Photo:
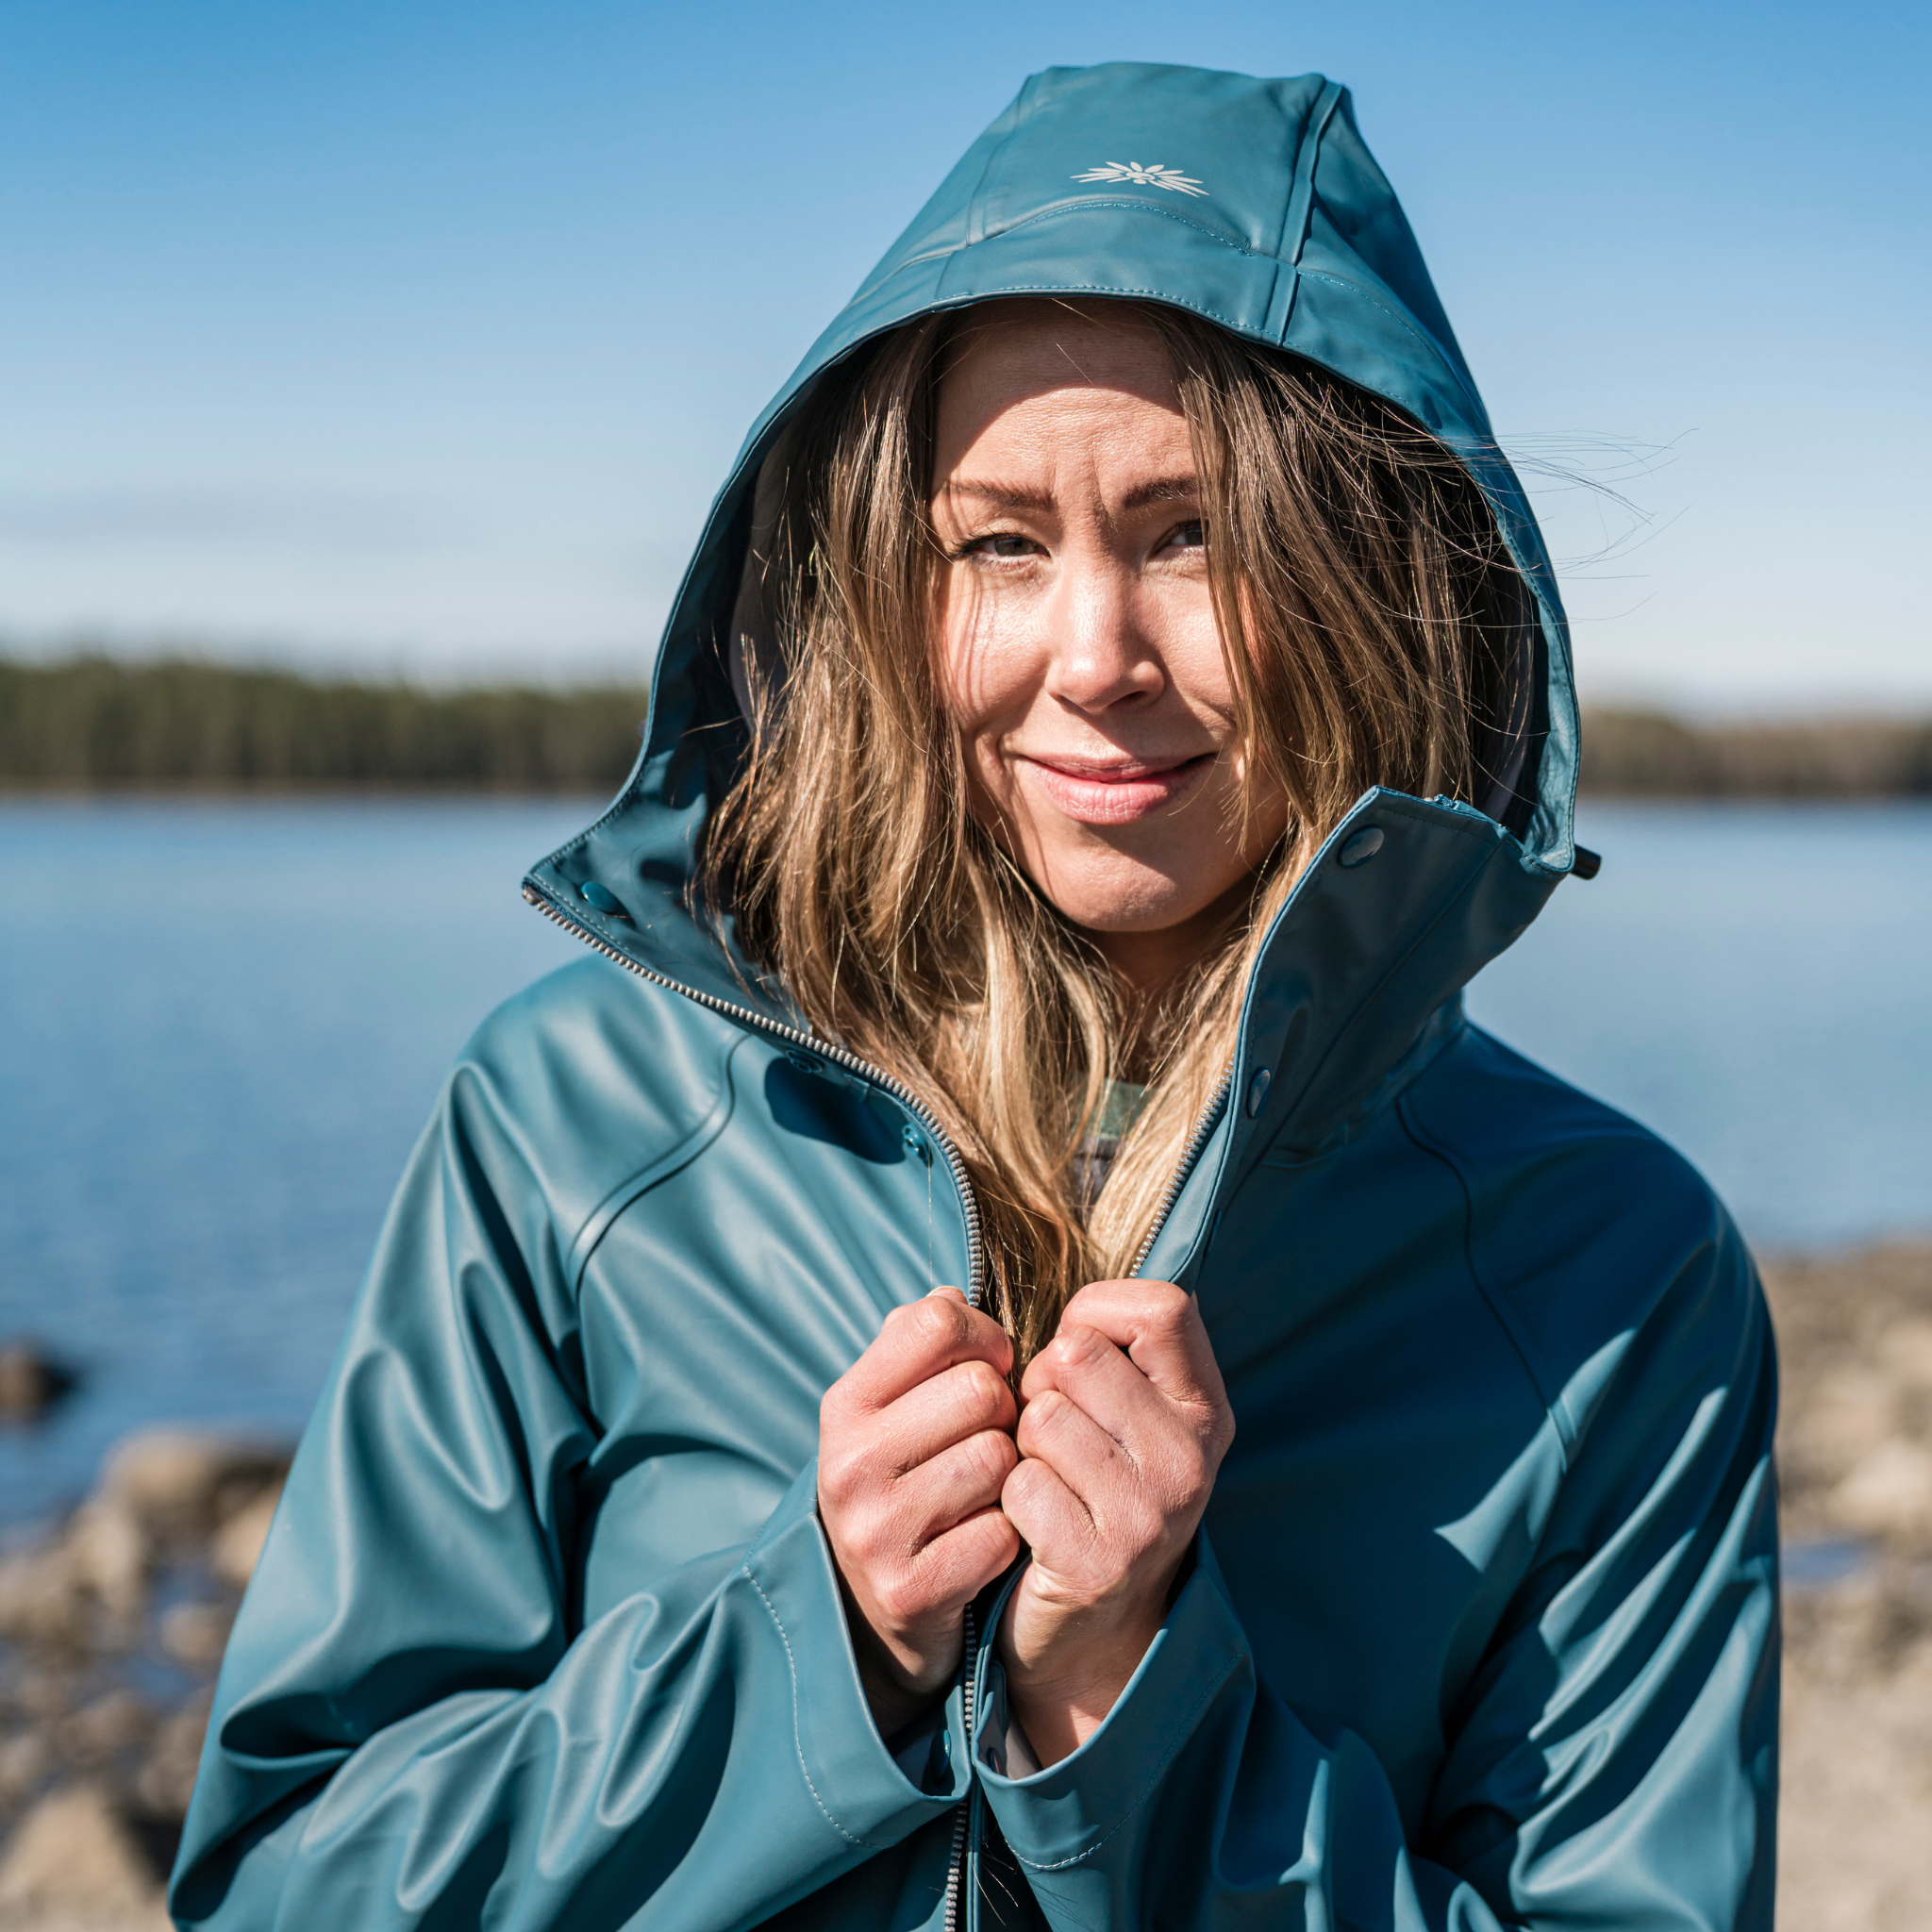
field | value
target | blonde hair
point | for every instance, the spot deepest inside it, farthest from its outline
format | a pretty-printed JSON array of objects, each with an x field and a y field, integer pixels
[{"x": 1370, "y": 622}]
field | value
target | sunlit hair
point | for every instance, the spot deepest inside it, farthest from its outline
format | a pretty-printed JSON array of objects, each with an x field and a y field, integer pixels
[{"x": 1371, "y": 621}]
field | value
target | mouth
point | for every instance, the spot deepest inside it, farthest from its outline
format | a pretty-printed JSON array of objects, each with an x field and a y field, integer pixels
[{"x": 1116, "y": 792}]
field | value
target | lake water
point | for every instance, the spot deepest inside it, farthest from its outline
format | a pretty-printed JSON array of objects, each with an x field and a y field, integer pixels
[{"x": 221, "y": 1025}]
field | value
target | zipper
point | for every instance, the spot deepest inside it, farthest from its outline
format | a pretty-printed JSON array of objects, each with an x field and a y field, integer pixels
[
  {"x": 1209, "y": 1118},
  {"x": 975, "y": 1266},
  {"x": 975, "y": 1275},
  {"x": 963, "y": 1812},
  {"x": 793, "y": 1036}
]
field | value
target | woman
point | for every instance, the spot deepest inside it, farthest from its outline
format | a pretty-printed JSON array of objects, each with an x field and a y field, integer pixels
[{"x": 1005, "y": 1356}]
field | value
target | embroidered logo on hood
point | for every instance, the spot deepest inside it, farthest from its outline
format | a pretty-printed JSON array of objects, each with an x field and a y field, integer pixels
[{"x": 1155, "y": 175}]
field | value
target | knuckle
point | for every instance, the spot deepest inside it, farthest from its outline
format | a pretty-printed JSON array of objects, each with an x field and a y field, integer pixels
[
  {"x": 1074, "y": 1347},
  {"x": 838, "y": 1473},
  {"x": 993, "y": 1455},
  {"x": 937, "y": 1321},
  {"x": 985, "y": 1388}
]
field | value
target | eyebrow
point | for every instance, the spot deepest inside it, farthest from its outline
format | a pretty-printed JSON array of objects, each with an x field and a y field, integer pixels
[{"x": 1015, "y": 496}]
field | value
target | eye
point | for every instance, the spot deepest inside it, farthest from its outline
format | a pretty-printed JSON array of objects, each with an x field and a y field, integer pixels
[
  {"x": 1188, "y": 536},
  {"x": 1002, "y": 546}
]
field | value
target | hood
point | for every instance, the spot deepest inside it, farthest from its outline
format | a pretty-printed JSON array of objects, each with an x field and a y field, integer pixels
[{"x": 1256, "y": 205}]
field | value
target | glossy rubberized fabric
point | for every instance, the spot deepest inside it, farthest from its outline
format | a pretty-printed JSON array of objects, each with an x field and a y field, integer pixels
[{"x": 1482, "y": 1630}]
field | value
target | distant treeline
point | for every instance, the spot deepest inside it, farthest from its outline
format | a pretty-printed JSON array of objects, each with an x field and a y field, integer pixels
[
  {"x": 98, "y": 723},
  {"x": 101, "y": 723},
  {"x": 1651, "y": 754}
]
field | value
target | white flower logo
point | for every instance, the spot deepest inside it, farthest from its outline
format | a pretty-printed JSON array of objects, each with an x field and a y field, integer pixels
[{"x": 1155, "y": 175}]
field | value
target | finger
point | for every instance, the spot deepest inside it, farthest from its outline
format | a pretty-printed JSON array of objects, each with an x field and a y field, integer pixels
[
  {"x": 1083, "y": 1365},
  {"x": 943, "y": 1410},
  {"x": 955, "y": 1567},
  {"x": 1057, "y": 1431},
  {"x": 1052, "y": 1519},
  {"x": 914, "y": 1343},
  {"x": 1159, "y": 1328},
  {"x": 966, "y": 1478}
]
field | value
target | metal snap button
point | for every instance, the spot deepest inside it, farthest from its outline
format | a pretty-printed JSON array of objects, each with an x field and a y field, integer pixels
[
  {"x": 602, "y": 898},
  {"x": 1257, "y": 1091},
  {"x": 1361, "y": 848}
]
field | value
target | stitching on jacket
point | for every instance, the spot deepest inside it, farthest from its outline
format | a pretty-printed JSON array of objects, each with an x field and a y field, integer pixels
[
  {"x": 1409, "y": 329},
  {"x": 1088, "y": 288},
  {"x": 1083, "y": 204},
  {"x": 797, "y": 1741},
  {"x": 1153, "y": 1777}
]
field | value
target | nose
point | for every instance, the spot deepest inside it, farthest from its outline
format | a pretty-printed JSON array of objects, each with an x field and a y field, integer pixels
[{"x": 1101, "y": 656}]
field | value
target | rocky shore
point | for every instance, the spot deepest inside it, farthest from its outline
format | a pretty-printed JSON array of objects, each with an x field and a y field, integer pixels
[
  {"x": 112, "y": 1629},
  {"x": 110, "y": 1635},
  {"x": 1855, "y": 1457}
]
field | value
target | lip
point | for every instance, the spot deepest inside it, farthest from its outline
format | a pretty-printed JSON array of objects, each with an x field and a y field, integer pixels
[{"x": 1093, "y": 793}]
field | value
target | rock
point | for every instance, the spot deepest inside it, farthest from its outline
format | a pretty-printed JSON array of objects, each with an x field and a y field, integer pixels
[
  {"x": 185, "y": 1483},
  {"x": 103, "y": 1730},
  {"x": 40, "y": 1600},
  {"x": 237, "y": 1543},
  {"x": 45, "y": 1593},
  {"x": 30, "y": 1382},
  {"x": 108, "y": 1554},
  {"x": 196, "y": 1634},
  {"x": 42, "y": 1694},
  {"x": 25, "y": 1761},
  {"x": 1906, "y": 1348},
  {"x": 1889, "y": 1491},
  {"x": 1849, "y": 1413},
  {"x": 74, "y": 1855},
  {"x": 166, "y": 1782}
]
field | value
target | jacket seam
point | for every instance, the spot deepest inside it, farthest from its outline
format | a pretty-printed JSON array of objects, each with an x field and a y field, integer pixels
[
  {"x": 1084, "y": 203},
  {"x": 1494, "y": 1297},
  {"x": 1421, "y": 339},
  {"x": 975, "y": 217},
  {"x": 1153, "y": 1777},
  {"x": 797, "y": 1737},
  {"x": 654, "y": 1174},
  {"x": 1166, "y": 295}
]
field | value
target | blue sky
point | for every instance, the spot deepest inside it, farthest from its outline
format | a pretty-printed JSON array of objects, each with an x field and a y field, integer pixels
[{"x": 418, "y": 337}]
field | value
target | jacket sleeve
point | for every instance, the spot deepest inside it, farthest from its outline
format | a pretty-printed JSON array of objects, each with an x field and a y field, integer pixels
[
  {"x": 1613, "y": 1763},
  {"x": 408, "y": 1730}
]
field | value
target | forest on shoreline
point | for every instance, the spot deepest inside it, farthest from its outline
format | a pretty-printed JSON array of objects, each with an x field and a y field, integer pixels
[{"x": 99, "y": 724}]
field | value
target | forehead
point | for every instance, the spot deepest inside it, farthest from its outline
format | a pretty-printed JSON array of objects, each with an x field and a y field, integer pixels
[{"x": 1022, "y": 375}]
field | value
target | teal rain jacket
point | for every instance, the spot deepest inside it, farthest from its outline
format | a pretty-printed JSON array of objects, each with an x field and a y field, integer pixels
[{"x": 1482, "y": 1630}]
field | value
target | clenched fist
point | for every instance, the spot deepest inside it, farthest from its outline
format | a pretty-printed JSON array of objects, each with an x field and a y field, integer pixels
[
  {"x": 1124, "y": 1428},
  {"x": 915, "y": 1445}
]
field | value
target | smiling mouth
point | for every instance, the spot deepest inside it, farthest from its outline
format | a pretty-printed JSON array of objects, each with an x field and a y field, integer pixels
[{"x": 1117, "y": 795}]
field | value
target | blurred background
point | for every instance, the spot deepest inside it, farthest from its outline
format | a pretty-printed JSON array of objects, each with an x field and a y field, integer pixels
[{"x": 367, "y": 372}]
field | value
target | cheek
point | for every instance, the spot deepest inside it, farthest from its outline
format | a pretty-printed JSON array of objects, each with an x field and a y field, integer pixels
[
  {"x": 989, "y": 679},
  {"x": 1192, "y": 649}
]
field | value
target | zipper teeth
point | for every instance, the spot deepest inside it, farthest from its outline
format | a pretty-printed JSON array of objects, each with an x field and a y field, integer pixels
[
  {"x": 1211, "y": 1115},
  {"x": 956, "y": 1860},
  {"x": 975, "y": 1246}
]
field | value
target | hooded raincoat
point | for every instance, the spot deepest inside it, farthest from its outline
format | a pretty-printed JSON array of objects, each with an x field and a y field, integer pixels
[{"x": 1481, "y": 1630}]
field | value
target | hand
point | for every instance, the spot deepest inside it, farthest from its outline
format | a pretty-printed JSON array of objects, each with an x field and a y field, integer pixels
[
  {"x": 914, "y": 1446},
  {"x": 1124, "y": 1428}
]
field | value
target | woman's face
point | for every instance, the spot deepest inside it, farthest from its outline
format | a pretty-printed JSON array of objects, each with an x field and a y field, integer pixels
[{"x": 1078, "y": 642}]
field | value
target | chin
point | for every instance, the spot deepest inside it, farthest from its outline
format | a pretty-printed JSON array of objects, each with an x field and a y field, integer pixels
[{"x": 1138, "y": 903}]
